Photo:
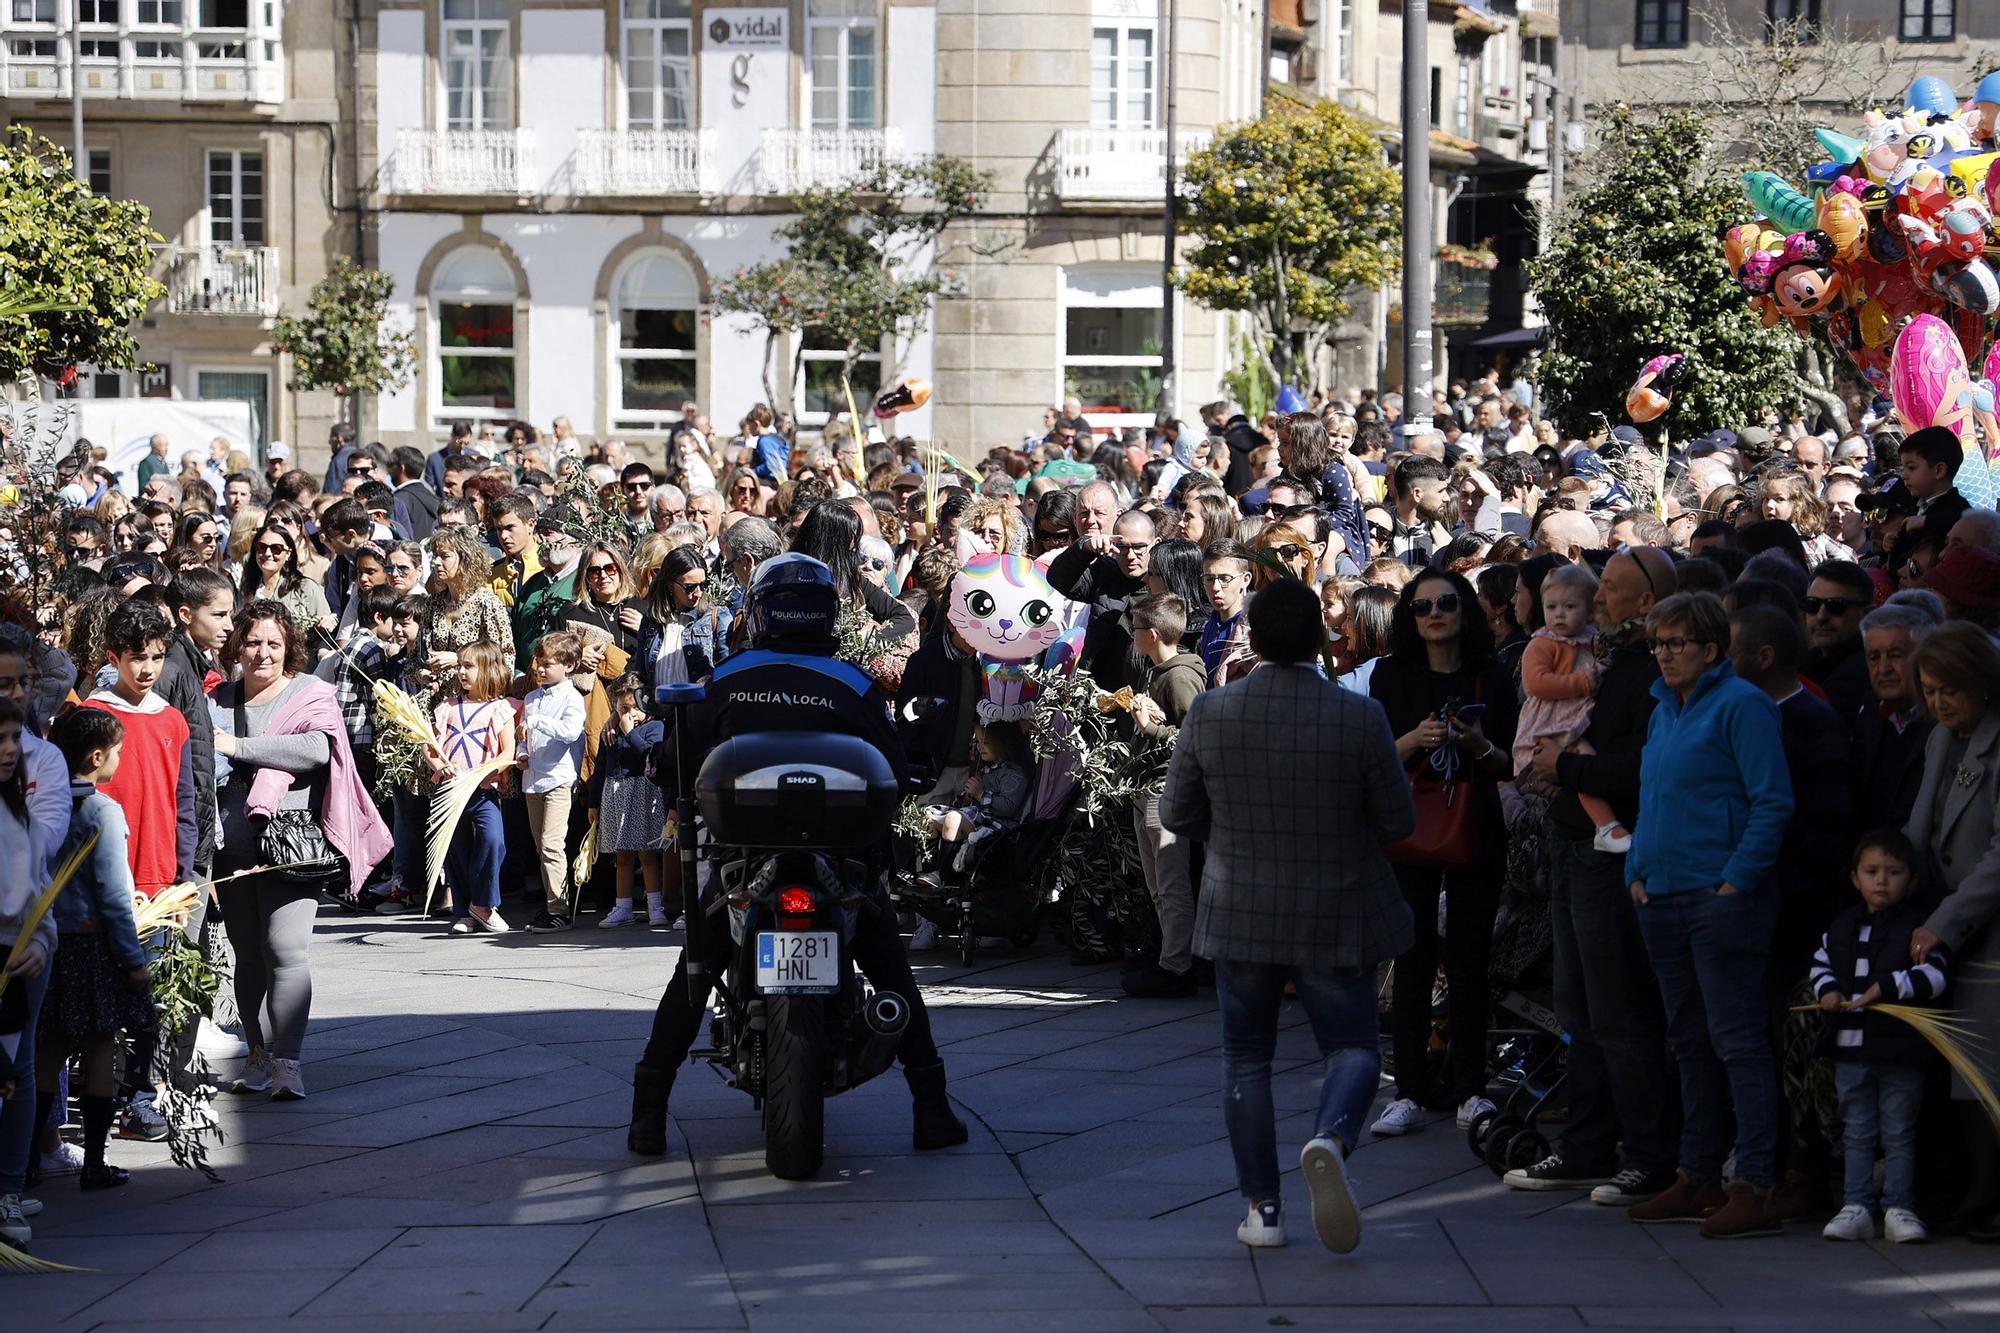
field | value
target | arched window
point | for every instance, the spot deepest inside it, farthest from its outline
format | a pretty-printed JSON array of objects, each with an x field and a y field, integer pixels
[
  {"x": 657, "y": 330},
  {"x": 473, "y": 301}
]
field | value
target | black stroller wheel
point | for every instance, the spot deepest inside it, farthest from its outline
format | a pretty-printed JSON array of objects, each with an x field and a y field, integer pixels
[
  {"x": 1525, "y": 1149},
  {"x": 1475, "y": 1133},
  {"x": 1499, "y": 1135}
]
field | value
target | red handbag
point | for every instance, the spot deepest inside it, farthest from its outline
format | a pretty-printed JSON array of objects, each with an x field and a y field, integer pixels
[{"x": 1447, "y": 832}]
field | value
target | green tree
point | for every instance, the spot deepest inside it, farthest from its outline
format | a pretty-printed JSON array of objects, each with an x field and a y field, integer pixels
[
  {"x": 1635, "y": 268},
  {"x": 75, "y": 267},
  {"x": 1288, "y": 214},
  {"x": 341, "y": 343},
  {"x": 860, "y": 263}
]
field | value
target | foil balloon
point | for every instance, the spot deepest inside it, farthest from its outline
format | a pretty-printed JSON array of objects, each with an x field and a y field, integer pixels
[
  {"x": 1653, "y": 392},
  {"x": 1928, "y": 377},
  {"x": 1004, "y": 608},
  {"x": 1845, "y": 223},
  {"x": 1932, "y": 94},
  {"x": 1289, "y": 400},
  {"x": 905, "y": 395},
  {"x": 1778, "y": 200},
  {"x": 1807, "y": 281}
]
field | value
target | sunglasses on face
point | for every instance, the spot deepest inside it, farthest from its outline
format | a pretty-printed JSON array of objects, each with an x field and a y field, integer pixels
[
  {"x": 876, "y": 565},
  {"x": 273, "y": 548},
  {"x": 1291, "y": 551},
  {"x": 745, "y": 489},
  {"x": 1130, "y": 548},
  {"x": 638, "y": 485},
  {"x": 364, "y": 470},
  {"x": 595, "y": 570},
  {"x": 1446, "y": 604},
  {"x": 1833, "y": 606},
  {"x": 696, "y": 586},
  {"x": 402, "y": 569}
]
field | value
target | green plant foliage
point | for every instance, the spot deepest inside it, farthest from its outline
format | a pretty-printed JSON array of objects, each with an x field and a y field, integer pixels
[
  {"x": 340, "y": 343},
  {"x": 76, "y": 267},
  {"x": 857, "y": 266},
  {"x": 1289, "y": 214},
  {"x": 1636, "y": 268}
]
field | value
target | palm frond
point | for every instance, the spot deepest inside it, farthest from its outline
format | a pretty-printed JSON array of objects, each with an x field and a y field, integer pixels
[
  {"x": 586, "y": 859},
  {"x": 447, "y": 808},
  {"x": 171, "y": 908},
  {"x": 1946, "y": 1031},
  {"x": 20, "y": 1261},
  {"x": 39, "y": 908}
]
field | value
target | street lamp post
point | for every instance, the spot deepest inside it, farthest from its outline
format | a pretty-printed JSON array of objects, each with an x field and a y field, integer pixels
[
  {"x": 1416, "y": 219},
  {"x": 1170, "y": 230},
  {"x": 79, "y": 159}
]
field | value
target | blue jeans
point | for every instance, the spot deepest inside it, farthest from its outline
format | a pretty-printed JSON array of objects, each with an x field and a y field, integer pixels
[
  {"x": 17, "y": 1113},
  {"x": 1340, "y": 1004},
  {"x": 1879, "y": 1105},
  {"x": 411, "y": 814},
  {"x": 1710, "y": 952},
  {"x": 478, "y": 846}
]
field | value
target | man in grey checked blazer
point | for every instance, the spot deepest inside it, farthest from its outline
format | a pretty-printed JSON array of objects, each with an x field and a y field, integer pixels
[{"x": 1295, "y": 786}]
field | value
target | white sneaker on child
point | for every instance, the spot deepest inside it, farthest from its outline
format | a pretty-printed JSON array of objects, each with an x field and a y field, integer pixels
[
  {"x": 1612, "y": 839},
  {"x": 656, "y": 912},
  {"x": 924, "y": 938},
  {"x": 620, "y": 915},
  {"x": 1903, "y": 1227},
  {"x": 1853, "y": 1222},
  {"x": 66, "y": 1160}
]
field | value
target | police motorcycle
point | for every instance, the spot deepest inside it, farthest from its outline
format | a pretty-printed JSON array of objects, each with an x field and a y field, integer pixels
[{"x": 795, "y": 832}]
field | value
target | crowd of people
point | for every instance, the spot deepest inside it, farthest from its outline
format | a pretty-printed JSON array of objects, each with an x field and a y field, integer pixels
[{"x": 1725, "y": 715}]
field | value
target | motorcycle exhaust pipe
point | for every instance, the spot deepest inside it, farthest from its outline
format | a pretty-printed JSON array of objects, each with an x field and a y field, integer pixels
[
  {"x": 877, "y": 1036},
  {"x": 886, "y": 1014}
]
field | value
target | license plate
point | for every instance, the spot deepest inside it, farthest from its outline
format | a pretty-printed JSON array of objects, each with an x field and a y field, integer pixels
[{"x": 804, "y": 962}]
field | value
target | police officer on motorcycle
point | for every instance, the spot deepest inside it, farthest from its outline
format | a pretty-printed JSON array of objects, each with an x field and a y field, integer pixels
[{"x": 789, "y": 680}]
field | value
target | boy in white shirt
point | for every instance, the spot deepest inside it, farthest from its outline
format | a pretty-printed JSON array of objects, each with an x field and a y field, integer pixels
[{"x": 551, "y": 747}]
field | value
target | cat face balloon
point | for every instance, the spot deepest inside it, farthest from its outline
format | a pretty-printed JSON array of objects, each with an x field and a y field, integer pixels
[{"x": 1004, "y": 608}]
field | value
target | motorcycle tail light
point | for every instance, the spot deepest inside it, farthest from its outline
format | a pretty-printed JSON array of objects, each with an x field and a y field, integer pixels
[{"x": 795, "y": 902}]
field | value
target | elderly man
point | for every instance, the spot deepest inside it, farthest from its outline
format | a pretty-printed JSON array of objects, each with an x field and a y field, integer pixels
[
  {"x": 1096, "y": 512},
  {"x": 670, "y": 506},
  {"x": 1622, "y": 1138},
  {"x": 1567, "y": 534},
  {"x": 1809, "y": 454},
  {"x": 1886, "y": 754},
  {"x": 155, "y": 464},
  {"x": 1979, "y": 527}
]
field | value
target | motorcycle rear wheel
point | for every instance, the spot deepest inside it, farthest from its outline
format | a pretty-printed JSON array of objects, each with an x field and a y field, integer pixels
[{"x": 795, "y": 1054}]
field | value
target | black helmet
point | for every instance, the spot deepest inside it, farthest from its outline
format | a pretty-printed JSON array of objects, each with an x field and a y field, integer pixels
[{"x": 793, "y": 605}]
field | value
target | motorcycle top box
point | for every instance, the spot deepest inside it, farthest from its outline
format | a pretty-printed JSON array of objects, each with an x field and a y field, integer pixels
[{"x": 797, "y": 789}]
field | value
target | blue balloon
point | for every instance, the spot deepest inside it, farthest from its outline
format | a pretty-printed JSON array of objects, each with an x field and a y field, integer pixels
[
  {"x": 1933, "y": 94},
  {"x": 1290, "y": 400},
  {"x": 1989, "y": 88}
]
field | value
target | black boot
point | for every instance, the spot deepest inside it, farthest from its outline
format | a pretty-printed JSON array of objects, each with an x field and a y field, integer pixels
[
  {"x": 650, "y": 1090},
  {"x": 935, "y": 1124}
]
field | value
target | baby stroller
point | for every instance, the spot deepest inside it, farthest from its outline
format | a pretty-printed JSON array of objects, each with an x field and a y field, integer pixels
[
  {"x": 995, "y": 894},
  {"x": 1527, "y": 1041}
]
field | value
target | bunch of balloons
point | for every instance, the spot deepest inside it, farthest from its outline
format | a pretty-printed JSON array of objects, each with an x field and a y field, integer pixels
[{"x": 1885, "y": 250}]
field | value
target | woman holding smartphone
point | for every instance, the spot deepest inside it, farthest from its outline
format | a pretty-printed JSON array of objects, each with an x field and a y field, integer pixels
[{"x": 1451, "y": 707}]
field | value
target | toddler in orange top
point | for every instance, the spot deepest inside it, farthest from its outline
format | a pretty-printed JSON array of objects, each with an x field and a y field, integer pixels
[{"x": 1559, "y": 675}]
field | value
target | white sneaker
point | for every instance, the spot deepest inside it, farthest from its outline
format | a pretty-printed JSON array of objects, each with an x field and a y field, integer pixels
[
  {"x": 492, "y": 923},
  {"x": 1401, "y": 1116},
  {"x": 1264, "y": 1229},
  {"x": 1852, "y": 1223},
  {"x": 1609, "y": 839},
  {"x": 288, "y": 1082},
  {"x": 1903, "y": 1227},
  {"x": 256, "y": 1076},
  {"x": 1336, "y": 1221},
  {"x": 1473, "y": 1108},
  {"x": 216, "y": 1044},
  {"x": 924, "y": 938},
  {"x": 66, "y": 1160},
  {"x": 30, "y": 1207},
  {"x": 620, "y": 915},
  {"x": 13, "y": 1222}
]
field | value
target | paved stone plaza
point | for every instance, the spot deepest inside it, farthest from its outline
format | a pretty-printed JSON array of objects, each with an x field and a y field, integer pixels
[{"x": 460, "y": 1164}]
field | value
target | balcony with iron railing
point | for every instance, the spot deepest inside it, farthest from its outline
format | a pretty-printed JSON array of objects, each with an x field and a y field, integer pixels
[
  {"x": 646, "y": 162},
  {"x": 1118, "y": 166},
  {"x": 221, "y": 279},
  {"x": 462, "y": 162},
  {"x": 146, "y": 61},
  {"x": 794, "y": 160}
]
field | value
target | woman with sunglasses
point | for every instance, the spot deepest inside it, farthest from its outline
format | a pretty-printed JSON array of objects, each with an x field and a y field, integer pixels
[
  {"x": 289, "y": 516},
  {"x": 1293, "y": 551},
  {"x": 684, "y": 635},
  {"x": 198, "y": 540},
  {"x": 405, "y": 565},
  {"x": 1451, "y": 708},
  {"x": 605, "y": 597},
  {"x": 273, "y": 572},
  {"x": 742, "y": 493}
]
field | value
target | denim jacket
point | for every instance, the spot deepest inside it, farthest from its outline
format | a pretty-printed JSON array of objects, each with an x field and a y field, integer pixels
[{"x": 101, "y": 890}]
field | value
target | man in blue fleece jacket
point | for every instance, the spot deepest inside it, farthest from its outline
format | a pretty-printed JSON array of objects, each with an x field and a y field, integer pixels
[{"x": 1714, "y": 799}]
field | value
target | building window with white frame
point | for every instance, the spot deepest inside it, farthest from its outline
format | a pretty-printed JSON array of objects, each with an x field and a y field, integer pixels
[
  {"x": 1461, "y": 106},
  {"x": 659, "y": 65},
  {"x": 657, "y": 327},
  {"x": 841, "y": 60},
  {"x": 1111, "y": 339},
  {"x": 818, "y": 393},
  {"x": 472, "y": 304},
  {"x": 1122, "y": 90},
  {"x": 235, "y": 197},
  {"x": 478, "y": 65},
  {"x": 1343, "y": 42}
]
